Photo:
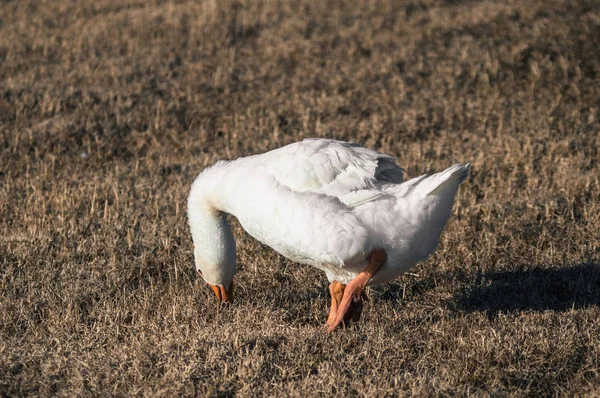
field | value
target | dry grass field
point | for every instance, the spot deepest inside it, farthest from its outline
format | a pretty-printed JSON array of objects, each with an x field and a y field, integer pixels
[{"x": 109, "y": 109}]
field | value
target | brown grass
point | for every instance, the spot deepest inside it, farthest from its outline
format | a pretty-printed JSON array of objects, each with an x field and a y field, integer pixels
[{"x": 109, "y": 109}]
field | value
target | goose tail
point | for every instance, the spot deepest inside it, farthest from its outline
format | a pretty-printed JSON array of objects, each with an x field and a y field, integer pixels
[{"x": 444, "y": 183}]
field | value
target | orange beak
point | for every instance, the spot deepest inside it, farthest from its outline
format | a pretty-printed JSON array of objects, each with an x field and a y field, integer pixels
[{"x": 223, "y": 295}]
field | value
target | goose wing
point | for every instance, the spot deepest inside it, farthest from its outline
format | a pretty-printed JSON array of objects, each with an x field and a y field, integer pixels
[{"x": 334, "y": 168}]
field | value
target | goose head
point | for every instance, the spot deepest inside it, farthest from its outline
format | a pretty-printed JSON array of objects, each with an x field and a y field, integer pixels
[
  {"x": 215, "y": 255},
  {"x": 214, "y": 244}
]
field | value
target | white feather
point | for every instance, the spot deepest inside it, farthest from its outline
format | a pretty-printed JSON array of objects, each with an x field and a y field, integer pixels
[{"x": 324, "y": 203}]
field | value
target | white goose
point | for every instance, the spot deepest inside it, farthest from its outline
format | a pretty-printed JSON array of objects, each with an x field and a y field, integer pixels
[{"x": 337, "y": 206}]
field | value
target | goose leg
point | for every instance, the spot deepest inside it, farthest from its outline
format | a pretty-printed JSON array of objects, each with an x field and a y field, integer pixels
[
  {"x": 336, "y": 289},
  {"x": 350, "y": 306}
]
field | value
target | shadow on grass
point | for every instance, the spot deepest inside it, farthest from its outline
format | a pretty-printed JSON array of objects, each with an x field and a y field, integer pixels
[
  {"x": 397, "y": 291},
  {"x": 558, "y": 289}
]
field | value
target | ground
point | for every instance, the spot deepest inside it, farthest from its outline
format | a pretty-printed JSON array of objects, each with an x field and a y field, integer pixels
[{"x": 109, "y": 109}]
